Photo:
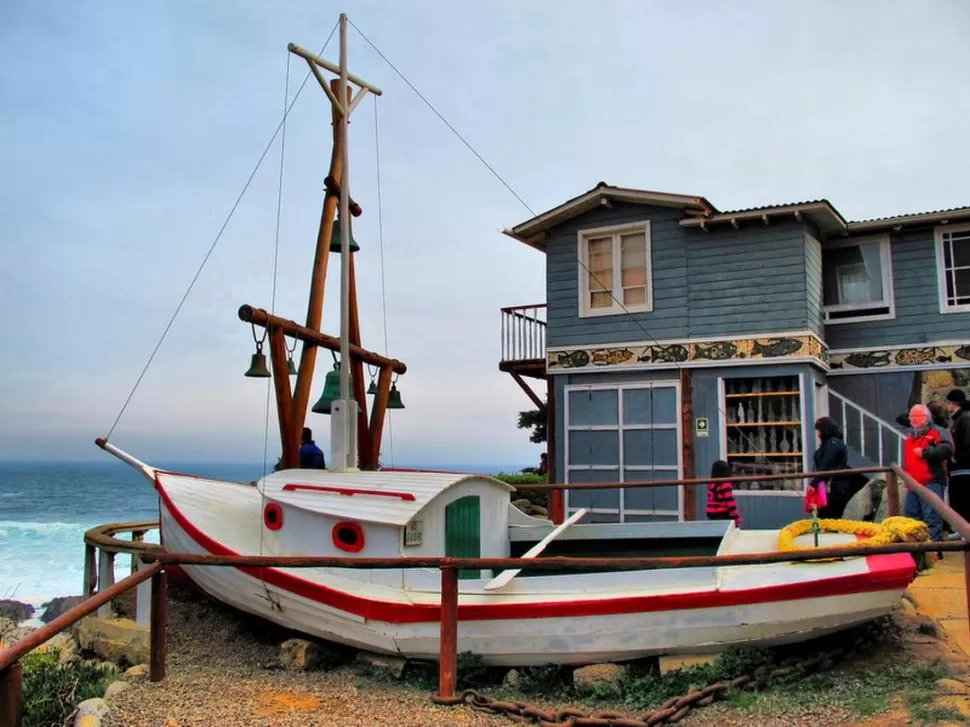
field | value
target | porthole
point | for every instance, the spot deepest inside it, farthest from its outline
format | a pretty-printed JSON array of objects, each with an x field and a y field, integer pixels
[
  {"x": 348, "y": 536},
  {"x": 273, "y": 516}
]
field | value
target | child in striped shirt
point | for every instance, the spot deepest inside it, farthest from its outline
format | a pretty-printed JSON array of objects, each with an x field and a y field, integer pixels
[{"x": 720, "y": 496}]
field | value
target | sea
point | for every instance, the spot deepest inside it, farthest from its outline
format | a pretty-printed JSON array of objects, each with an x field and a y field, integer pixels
[{"x": 46, "y": 507}]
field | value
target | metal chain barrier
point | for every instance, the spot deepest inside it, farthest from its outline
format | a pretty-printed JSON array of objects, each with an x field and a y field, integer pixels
[{"x": 676, "y": 708}]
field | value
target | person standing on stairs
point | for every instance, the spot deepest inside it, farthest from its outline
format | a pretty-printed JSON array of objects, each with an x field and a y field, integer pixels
[
  {"x": 925, "y": 454},
  {"x": 959, "y": 408}
]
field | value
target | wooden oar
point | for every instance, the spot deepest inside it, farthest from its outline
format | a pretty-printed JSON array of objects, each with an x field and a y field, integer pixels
[{"x": 507, "y": 575}]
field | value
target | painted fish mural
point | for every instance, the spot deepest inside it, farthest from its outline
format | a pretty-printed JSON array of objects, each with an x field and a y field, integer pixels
[
  {"x": 611, "y": 356},
  {"x": 772, "y": 347},
  {"x": 868, "y": 359},
  {"x": 715, "y": 351},
  {"x": 916, "y": 356},
  {"x": 571, "y": 359}
]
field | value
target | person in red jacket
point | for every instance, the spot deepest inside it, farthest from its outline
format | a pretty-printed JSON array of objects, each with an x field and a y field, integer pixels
[
  {"x": 925, "y": 455},
  {"x": 720, "y": 496}
]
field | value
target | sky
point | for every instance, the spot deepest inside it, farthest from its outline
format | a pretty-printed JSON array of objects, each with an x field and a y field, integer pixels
[{"x": 127, "y": 131}]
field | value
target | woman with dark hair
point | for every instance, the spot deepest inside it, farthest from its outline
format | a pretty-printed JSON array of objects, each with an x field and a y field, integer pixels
[{"x": 832, "y": 455}]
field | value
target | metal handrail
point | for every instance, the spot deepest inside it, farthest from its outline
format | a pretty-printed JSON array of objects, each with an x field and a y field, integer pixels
[{"x": 882, "y": 425}]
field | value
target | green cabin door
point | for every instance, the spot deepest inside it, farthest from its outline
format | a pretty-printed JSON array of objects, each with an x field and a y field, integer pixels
[{"x": 463, "y": 532}]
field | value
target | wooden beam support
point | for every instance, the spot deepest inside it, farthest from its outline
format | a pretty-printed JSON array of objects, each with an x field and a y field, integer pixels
[
  {"x": 260, "y": 317},
  {"x": 687, "y": 441},
  {"x": 557, "y": 509},
  {"x": 11, "y": 685},
  {"x": 284, "y": 398},
  {"x": 448, "y": 636},
  {"x": 159, "y": 627},
  {"x": 357, "y": 374},
  {"x": 377, "y": 417},
  {"x": 540, "y": 404},
  {"x": 333, "y": 187}
]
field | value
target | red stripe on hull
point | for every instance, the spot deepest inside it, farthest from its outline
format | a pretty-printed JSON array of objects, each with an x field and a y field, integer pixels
[{"x": 887, "y": 572}]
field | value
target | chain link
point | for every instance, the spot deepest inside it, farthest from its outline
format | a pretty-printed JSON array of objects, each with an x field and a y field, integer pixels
[{"x": 674, "y": 709}]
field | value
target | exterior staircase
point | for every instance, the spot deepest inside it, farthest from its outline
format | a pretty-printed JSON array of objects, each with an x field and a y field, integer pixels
[{"x": 869, "y": 439}]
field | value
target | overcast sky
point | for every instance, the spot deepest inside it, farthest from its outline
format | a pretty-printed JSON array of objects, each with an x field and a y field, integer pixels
[{"x": 128, "y": 129}]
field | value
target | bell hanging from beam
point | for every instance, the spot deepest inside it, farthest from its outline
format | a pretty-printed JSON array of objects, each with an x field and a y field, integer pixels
[
  {"x": 290, "y": 366},
  {"x": 394, "y": 398},
  {"x": 331, "y": 391},
  {"x": 372, "y": 389},
  {"x": 336, "y": 241},
  {"x": 257, "y": 369}
]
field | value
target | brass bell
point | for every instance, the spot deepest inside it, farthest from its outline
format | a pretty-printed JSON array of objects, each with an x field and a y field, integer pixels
[
  {"x": 335, "y": 241},
  {"x": 394, "y": 398},
  {"x": 290, "y": 366},
  {"x": 257, "y": 369}
]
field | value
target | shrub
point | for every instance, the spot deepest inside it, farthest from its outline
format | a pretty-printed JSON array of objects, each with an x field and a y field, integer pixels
[{"x": 51, "y": 691}]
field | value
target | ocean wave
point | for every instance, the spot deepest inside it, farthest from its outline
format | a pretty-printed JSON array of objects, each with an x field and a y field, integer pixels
[{"x": 6, "y": 525}]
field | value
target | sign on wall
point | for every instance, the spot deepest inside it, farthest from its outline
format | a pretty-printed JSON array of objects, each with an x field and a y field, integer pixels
[
  {"x": 414, "y": 532},
  {"x": 701, "y": 427}
]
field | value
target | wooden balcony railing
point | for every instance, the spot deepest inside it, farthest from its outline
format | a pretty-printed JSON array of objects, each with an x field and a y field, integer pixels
[{"x": 524, "y": 332}]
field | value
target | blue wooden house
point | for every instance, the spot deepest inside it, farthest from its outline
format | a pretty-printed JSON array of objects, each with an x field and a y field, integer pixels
[{"x": 675, "y": 334}]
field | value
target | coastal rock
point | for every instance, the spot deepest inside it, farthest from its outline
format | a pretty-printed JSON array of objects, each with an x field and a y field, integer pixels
[
  {"x": 90, "y": 708},
  {"x": 138, "y": 671},
  {"x": 114, "y": 689},
  {"x": 56, "y": 606},
  {"x": 392, "y": 665},
  {"x": 538, "y": 511},
  {"x": 16, "y": 634},
  {"x": 16, "y": 611},
  {"x": 522, "y": 504},
  {"x": 512, "y": 679},
  {"x": 599, "y": 679},
  {"x": 299, "y": 654},
  {"x": 114, "y": 639}
]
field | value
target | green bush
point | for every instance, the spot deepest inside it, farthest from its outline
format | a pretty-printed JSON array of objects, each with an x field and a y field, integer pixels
[
  {"x": 50, "y": 691},
  {"x": 520, "y": 479}
]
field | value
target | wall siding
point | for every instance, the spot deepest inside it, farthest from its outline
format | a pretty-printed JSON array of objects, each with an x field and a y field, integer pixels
[
  {"x": 884, "y": 394},
  {"x": 918, "y": 318},
  {"x": 706, "y": 284},
  {"x": 813, "y": 282}
]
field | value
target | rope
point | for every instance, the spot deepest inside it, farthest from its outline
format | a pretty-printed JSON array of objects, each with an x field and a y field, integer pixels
[
  {"x": 380, "y": 245},
  {"x": 515, "y": 194},
  {"x": 215, "y": 242}
]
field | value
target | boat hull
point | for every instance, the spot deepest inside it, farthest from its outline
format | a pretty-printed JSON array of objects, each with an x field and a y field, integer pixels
[{"x": 533, "y": 639}]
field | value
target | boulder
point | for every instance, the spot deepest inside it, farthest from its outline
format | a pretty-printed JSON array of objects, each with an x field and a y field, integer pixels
[
  {"x": 114, "y": 689},
  {"x": 599, "y": 679},
  {"x": 538, "y": 511},
  {"x": 16, "y": 611},
  {"x": 299, "y": 654},
  {"x": 56, "y": 606},
  {"x": 393, "y": 665},
  {"x": 139, "y": 671},
  {"x": 522, "y": 503},
  {"x": 12, "y": 636},
  {"x": 512, "y": 679},
  {"x": 114, "y": 639},
  {"x": 96, "y": 708}
]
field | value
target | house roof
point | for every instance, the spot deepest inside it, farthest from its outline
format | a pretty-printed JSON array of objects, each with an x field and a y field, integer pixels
[
  {"x": 532, "y": 232},
  {"x": 699, "y": 213},
  {"x": 390, "y": 498}
]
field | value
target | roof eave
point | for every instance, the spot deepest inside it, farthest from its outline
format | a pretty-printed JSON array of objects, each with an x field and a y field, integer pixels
[
  {"x": 822, "y": 214},
  {"x": 898, "y": 223}
]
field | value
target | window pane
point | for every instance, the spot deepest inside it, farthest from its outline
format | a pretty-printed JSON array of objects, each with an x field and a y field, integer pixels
[
  {"x": 633, "y": 251},
  {"x": 601, "y": 300},
  {"x": 633, "y": 277},
  {"x": 960, "y": 296},
  {"x": 600, "y": 275},
  {"x": 852, "y": 275},
  {"x": 961, "y": 252},
  {"x": 634, "y": 296}
]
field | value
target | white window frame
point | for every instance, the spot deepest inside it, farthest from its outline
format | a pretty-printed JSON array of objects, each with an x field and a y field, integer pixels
[
  {"x": 585, "y": 311},
  {"x": 941, "y": 273},
  {"x": 888, "y": 293}
]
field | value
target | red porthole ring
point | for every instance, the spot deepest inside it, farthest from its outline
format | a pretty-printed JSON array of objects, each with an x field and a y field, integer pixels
[
  {"x": 273, "y": 516},
  {"x": 348, "y": 536}
]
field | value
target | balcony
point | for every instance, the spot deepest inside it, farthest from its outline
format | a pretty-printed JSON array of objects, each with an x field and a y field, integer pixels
[{"x": 524, "y": 340}]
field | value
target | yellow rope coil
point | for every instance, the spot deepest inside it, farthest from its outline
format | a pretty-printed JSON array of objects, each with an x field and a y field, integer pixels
[{"x": 890, "y": 530}]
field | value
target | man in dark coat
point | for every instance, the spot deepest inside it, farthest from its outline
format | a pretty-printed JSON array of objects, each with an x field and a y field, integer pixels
[
  {"x": 311, "y": 456},
  {"x": 959, "y": 407}
]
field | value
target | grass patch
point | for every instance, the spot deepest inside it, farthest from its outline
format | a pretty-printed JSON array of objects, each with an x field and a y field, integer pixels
[{"x": 50, "y": 692}]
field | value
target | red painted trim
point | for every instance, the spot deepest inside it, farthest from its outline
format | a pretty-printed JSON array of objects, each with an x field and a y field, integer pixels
[
  {"x": 276, "y": 521},
  {"x": 893, "y": 572},
  {"x": 347, "y": 547},
  {"x": 432, "y": 472},
  {"x": 406, "y": 496}
]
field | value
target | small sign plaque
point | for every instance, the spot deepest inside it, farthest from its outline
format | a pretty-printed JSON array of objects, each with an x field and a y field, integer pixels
[
  {"x": 414, "y": 533},
  {"x": 701, "y": 427}
]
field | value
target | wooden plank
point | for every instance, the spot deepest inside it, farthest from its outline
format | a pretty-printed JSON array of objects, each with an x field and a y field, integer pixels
[
  {"x": 687, "y": 441},
  {"x": 10, "y": 689},
  {"x": 503, "y": 578}
]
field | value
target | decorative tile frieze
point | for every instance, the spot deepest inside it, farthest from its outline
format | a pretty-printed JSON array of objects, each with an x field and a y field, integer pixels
[
  {"x": 897, "y": 357},
  {"x": 762, "y": 348}
]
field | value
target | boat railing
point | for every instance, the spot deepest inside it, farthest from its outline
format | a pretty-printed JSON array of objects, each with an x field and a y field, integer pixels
[
  {"x": 100, "y": 548},
  {"x": 155, "y": 562},
  {"x": 524, "y": 332},
  {"x": 874, "y": 438}
]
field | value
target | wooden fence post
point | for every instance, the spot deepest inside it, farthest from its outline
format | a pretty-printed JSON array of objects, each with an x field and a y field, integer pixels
[
  {"x": 90, "y": 570},
  {"x": 892, "y": 492},
  {"x": 10, "y": 684},
  {"x": 448, "y": 659},
  {"x": 106, "y": 579},
  {"x": 159, "y": 626}
]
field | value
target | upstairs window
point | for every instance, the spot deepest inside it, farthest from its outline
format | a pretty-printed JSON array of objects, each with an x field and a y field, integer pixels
[
  {"x": 857, "y": 280},
  {"x": 953, "y": 264},
  {"x": 614, "y": 274}
]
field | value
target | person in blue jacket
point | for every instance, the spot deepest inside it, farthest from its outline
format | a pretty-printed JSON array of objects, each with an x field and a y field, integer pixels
[{"x": 311, "y": 456}]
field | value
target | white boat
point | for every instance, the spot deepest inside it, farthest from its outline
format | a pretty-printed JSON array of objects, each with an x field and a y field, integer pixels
[
  {"x": 509, "y": 618},
  {"x": 529, "y": 619}
]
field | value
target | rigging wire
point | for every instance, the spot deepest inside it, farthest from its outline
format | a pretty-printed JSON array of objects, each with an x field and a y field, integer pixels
[
  {"x": 380, "y": 245},
  {"x": 215, "y": 242},
  {"x": 515, "y": 194}
]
